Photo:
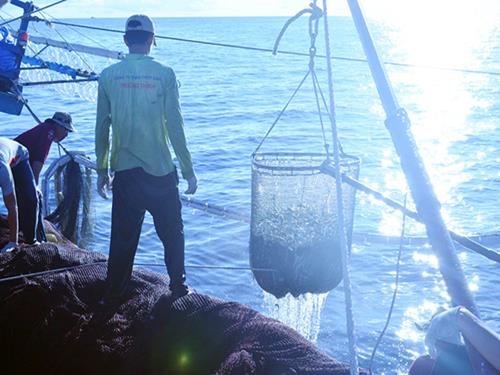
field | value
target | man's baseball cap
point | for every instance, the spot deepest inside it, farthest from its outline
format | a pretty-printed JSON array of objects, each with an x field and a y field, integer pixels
[
  {"x": 140, "y": 22},
  {"x": 63, "y": 119}
]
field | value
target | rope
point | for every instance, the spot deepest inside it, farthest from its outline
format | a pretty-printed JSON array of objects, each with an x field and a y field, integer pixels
[
  {"x": 77, "y": 31},
  {"x": 464, "y": 241},
  {"x": 316, "y": 89},
  {"x": 48, "y": 272},
  {"x": 25, "y": 102},
  {"x": 293, "y": 53},
  {"x": 214, "y": 209},
  {"x": 210, "y": 267},
  {"x": 285, "y": 27},
  {"x": 59, "y": 144},
  {"x": 316, "y": 14},
  {"x": 37, "y": 119},
  {"x": 313, "y": 33},
  {"x": 342, "y": 153},
  {"x": 281, "y": 113},
  {"x": 340, "y": 209},
  {"x": 389, "y": 315},
  {"x": 32, "y": 12},
  {"x": 75, "y": 52},
  {"x": 71, "y": 268}
]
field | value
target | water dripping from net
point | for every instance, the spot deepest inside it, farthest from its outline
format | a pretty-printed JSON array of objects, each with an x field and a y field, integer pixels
[{"x": 302, "y": 313}]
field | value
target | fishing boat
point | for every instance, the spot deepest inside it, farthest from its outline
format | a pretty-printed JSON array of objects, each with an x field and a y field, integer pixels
[{"x": 283, "y": 164}]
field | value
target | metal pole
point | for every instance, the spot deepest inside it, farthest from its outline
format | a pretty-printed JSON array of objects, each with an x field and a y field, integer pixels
[
  {"x": 353, "y": 357},
  {"x": 428, "y": 206}
]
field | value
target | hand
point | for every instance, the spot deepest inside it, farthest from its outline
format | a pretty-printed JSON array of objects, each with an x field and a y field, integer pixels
[
  {"x": 39, "y": 193},
  {"x": 8, "y": 247},
  {"x": 443, "y": 327},
  {"x": 104, "y": 184},
  {"x": 192, "y": 185}
]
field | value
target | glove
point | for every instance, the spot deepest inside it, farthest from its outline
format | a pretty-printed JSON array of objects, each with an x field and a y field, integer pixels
[
  {"x": 192, "y": 185},
  {"x": 8, "y": 247},
  {"x": 104, "y": 184},
  {"x": 443, "y": 327}
]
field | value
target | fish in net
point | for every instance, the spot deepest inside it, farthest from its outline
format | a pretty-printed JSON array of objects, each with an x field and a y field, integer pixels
[{"x": 294, "y": 242}]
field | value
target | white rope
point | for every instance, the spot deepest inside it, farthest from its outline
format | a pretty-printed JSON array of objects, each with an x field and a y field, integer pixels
[{"x": 340, "y": 210}]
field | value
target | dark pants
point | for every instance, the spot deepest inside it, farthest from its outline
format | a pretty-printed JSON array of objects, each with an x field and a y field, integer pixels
[
  {"x": 27, "y": 200},
  {"x": 134, "y": 193}
]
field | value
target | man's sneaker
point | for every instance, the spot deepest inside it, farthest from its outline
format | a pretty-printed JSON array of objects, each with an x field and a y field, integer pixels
[{"x": 179, "y": 291}]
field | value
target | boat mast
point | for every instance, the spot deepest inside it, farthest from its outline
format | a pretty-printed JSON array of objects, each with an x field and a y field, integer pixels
[
  {"x": 22, "y": 36},
  {"x": 428, "y": 206}
]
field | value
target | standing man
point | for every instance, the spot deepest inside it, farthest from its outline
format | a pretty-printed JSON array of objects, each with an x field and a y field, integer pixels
[
  {"x": 138, "y": 97},
  {"x": 19, "y": 192}
]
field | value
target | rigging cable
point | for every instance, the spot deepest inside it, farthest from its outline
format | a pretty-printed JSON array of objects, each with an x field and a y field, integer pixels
[
  {"x": 466, "y": 242},
  {"x": 38, "y": 121},
  {"x": 340, "y": 208},
  {"x": 394, "y": 294},
  {"x": 282, "y": 111},
  {"x": 25, "y": 102},
  {"x": 32, "y": 12},
  {"x": 71, "y": 268},
  {"x": 66, "y": 41},
  {"x": 14, "y": 32},
  {"x": 313, "y": 32},
  {"x": 258, "y": 49},
  {"x": 75, "y": 29},
  {"x": 28, "y": 46}
]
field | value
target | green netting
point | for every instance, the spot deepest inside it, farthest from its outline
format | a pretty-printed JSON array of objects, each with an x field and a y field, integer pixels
[{"x": 294, "y": 226}]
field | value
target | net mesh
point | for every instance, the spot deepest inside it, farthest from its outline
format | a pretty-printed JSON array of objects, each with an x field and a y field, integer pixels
[
  {"x": 54, "y": 324},
  {"x": 72, "y": 187},
  {"x": 294, "y": 227},
  {"x": 78, "y": 60}
]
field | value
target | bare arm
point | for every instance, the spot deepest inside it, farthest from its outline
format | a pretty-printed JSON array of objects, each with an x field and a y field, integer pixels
[
  {"x": 480, "y": 336},
  {"x": 36, "y": 166},
  {"x": 11, "y": 205}
]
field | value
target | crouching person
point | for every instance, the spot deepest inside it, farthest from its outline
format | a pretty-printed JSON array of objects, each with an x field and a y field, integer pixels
[
  {"x": 38, "y": 141},
  {"x": 19, "y": 192}
]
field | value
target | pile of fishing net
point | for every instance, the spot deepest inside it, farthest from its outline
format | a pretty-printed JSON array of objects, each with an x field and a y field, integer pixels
[{"x": 53, "y": 323}]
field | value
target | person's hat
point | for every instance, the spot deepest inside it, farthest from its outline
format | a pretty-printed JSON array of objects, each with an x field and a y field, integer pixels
[
  {"x": 140, "y": 22},
  {"x": 63, "y": 119}
]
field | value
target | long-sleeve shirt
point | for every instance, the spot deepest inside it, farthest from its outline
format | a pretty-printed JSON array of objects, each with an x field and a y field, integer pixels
[{"x": 139, "y": 99}]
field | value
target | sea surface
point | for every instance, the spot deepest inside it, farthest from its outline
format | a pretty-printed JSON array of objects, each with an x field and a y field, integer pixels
[{"x": 230, "y": 97}]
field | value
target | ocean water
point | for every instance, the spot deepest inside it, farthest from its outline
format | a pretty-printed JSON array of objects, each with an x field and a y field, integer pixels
[{"x": 230, "y": 98}]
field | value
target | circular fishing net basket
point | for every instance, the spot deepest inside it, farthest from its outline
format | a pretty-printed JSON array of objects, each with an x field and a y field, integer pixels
[
  {"x": 67, "y": 203},
  {"x": 294, "y": 223}
]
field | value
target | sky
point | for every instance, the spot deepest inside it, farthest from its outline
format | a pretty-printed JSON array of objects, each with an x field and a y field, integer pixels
[{"x": 377, "y": 9}]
